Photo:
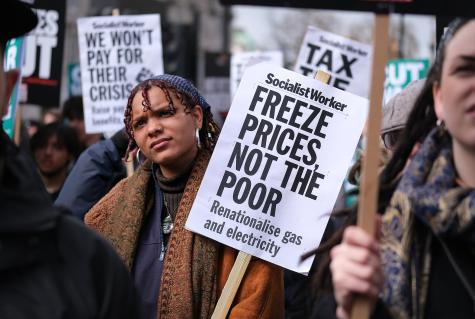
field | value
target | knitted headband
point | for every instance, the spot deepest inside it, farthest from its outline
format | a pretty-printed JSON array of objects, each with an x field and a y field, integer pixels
[{"x": 185, "y": 86}]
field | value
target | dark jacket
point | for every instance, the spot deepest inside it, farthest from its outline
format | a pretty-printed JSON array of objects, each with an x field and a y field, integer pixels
[
  {"x": 96, "y": 171},
  {"x": 300, "y": 298},
  {"x": 450, "y": 292},
  {"x": 52, "y": 266}
]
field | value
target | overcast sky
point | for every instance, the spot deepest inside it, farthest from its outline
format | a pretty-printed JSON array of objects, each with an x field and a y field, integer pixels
[{"x": 256, "y": 22}]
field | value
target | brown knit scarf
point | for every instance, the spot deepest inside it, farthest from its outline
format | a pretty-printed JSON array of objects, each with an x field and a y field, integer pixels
[{"x": 189, "y": 279}]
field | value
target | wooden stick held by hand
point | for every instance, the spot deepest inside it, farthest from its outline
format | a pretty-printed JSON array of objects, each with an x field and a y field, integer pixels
[{"x": 369, "y": 183}]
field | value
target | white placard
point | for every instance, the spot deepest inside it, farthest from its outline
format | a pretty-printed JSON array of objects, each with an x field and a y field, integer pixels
[
  {"x": 278, "y": 166},
  {"x": 116, "y": 53},
  {"x": 348, "y": 61},
  {"x": 241, "y": 61}
]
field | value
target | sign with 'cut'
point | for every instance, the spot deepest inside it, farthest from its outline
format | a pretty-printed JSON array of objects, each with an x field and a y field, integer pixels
[
  {"x": 116, "y": 53},
  {"x": 348, "y": 61},
  {"x": 399, "y": 73},
  {"x": 278, "y": 165}
]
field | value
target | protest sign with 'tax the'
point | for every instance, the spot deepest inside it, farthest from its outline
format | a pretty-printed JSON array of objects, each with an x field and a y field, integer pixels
[
  {"x": 348, "y": 61},
  {"x": 116, "y": 53},
  {"x": 278, "y": 166}
]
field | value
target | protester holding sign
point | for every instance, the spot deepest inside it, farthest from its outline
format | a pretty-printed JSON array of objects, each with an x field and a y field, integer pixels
[
  {"x": 394, "y": 117},
  {"x": 144, "y": 215},
  {"x": 422, "y": 264}
]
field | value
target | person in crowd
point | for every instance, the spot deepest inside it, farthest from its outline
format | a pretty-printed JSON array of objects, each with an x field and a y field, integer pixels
[
  {"x": 179, "y": 274},
  {"x": 54, "y": 147},
  {"x": 73, "y": 115},
  {"x": 51, "y": 266},
  {"x": 420, "y": 264},
  {"x": 299, "y": 288},
  {"x": 97, "y": 170}
]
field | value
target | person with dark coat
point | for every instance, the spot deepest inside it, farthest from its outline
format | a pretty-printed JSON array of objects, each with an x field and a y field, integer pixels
[
  {"x": 51, "y": 266},
  {"x": 96, "y": 171}
]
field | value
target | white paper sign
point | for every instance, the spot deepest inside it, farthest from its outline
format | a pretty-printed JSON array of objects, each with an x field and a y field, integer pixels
[
  {"x": 278, "y": 165},
  {"x": 348, "y": 61},
  {"x": 116, "y": 53},
  {"x": 241, "y": 61}
]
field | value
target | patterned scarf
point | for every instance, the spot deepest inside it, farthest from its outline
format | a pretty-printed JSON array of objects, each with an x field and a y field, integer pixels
[
  {"x": 427, "y": 201},
  {"x": 189, "y": 279}
]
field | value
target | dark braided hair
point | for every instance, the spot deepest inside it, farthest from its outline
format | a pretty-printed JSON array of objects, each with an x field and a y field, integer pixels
[
  {"x": 421, "y": 121},
  {"x": 209, "y": 131}
]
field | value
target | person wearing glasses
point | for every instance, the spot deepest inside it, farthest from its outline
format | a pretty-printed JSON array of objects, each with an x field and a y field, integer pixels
[{"x": 396, "y": 111}]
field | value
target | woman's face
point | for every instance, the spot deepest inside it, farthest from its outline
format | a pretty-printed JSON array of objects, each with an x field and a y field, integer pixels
[
  {"x": 454, "y": 96},
  {"x": 165, "y": 138}
]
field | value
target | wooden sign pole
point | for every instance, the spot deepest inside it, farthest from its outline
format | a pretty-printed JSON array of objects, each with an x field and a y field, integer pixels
[
  {"x": 322, "y": 76},
  {"x": 232, "y": 285},
  {"x": 242, "y": 261},
  {"x": 17, "y": 128},
  {"x": 369, "y": 183},
  {"x": 129, "y": 163}
]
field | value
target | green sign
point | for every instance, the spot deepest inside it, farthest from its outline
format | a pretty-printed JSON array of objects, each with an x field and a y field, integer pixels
[
  {"x": 74, "y": 79},
  {"x": 13, "y": 58},
  {"x": 399, "y": 73}
]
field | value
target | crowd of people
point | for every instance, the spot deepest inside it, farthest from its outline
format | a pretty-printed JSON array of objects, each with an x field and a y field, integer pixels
[{"x": 80, "y": 239}]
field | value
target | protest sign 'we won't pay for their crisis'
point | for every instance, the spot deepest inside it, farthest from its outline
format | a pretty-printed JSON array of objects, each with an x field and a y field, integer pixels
[{"x": 116, "y": 53}]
